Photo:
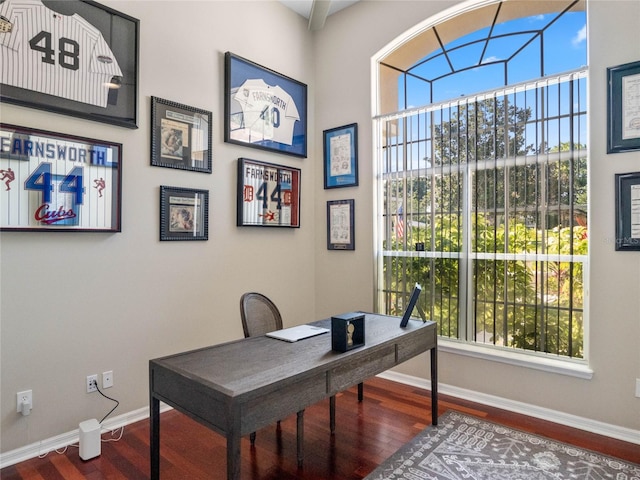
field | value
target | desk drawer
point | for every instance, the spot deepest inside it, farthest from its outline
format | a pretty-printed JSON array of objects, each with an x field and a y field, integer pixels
[
  {"x": 190, "y": 398},
  {"x": 418, "y": 344},
  {"x": 360, "y": 368},
  {"x": 284, "y": 401}
]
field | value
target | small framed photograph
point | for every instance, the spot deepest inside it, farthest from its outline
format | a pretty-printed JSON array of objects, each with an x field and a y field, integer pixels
[
  {"x": 56, "y": 182},
  {"x": 264, "y": 109},
  {"x": 628, "y": 211},
  {"x": 90, "y": 72},
  {"x": 623, "y": 108},
  {"x": 268, "y": 195},
  {"x": 180, "y": 136},
  {"x": 340, "y": 223},
  {"x": 341, "y": 157},
  {"x": 184, "y": 213}
]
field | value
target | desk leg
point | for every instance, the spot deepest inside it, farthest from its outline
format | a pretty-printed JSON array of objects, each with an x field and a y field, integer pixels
[
  {"x": 155, "y": 438},
  {"x": 233, "y": 453},
  {"x": 332, "y": 414},
  {"x": 434, "y": 386},
  {"x": 300, "y": 436}
]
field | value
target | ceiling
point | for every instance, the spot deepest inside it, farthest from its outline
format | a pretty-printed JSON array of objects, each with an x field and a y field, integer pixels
[{"x": 317, "y": 11}]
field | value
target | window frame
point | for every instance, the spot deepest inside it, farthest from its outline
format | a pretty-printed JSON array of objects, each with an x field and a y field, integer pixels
[{"x": 564, "y": 365}]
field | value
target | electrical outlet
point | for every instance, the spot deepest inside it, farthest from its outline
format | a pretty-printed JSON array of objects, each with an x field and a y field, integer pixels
[
  {"x": 107, "y": 379},
  {"x": 638, "y": 387},
  {"x": 92, "y": 383},
  {"x": 23, "y": 397}
]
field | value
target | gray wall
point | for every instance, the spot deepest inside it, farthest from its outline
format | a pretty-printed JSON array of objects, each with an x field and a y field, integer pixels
[{"x": 78, "y": 304}]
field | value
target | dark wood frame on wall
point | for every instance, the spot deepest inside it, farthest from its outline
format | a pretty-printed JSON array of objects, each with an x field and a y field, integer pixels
[
  {"x": 58, "y": 182},
  {"x": 268, "y": 195},
  {"x": 121, "y": 33}
]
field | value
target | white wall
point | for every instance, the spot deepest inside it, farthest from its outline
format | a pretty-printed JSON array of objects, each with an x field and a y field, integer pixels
[
  {"x": 77, "y": 304},
  {"x": 344, "y": 49}
]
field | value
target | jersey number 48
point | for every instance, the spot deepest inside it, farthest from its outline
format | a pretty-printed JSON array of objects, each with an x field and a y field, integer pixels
[{"x": 68, "y": 50}]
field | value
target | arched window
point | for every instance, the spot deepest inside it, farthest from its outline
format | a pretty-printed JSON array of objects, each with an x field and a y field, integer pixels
[{"x": 482, "y": 171}]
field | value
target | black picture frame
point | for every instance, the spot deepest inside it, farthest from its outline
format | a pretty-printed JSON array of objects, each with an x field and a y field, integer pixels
[
  {"x": 57, "y": 182},
  {"x": 181, "y": 136},
  {"x": 340, "y": 147},
  {"x": 268, "y": 195},
  {"x": 121, "y": 35},
  {"x": 627, "y": 211},
  {"x": 623, "y": 113},
  {"x": 340, "y": 225},
  {"x": 250, "y": 89},
  {"x": 184, "y": 213}
]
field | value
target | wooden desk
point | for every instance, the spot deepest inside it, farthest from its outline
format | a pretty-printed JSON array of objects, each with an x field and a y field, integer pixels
[{"x": 239, "y": 387}]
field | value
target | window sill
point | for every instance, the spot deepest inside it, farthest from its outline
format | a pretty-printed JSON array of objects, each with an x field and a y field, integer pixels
[{"x": 569, "y": 367}]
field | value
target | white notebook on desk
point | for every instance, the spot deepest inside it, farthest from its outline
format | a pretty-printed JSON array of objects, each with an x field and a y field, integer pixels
[{"x": 300, "y": 332}]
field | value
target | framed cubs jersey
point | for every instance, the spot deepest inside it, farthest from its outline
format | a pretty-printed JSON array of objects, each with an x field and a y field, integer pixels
[
  {"x": 268, "y": 195},
  {"x": 58, "y": 182},
  {"x": 264, "y": 109},
  {"x": 73, "y": 57}
]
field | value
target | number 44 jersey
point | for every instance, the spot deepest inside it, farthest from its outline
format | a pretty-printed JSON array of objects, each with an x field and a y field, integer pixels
[{"x": 55, "y": 54}]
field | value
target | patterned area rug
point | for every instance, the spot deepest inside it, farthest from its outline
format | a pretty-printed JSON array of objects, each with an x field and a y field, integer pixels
[{"x": 462, "y": 447}]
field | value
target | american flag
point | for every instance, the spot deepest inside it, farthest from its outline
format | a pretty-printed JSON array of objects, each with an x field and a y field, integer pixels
[{"x": 400, "y": 223}]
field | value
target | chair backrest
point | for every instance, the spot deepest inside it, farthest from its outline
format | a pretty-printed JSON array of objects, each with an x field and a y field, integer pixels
[{"x": 259, "y": 315}]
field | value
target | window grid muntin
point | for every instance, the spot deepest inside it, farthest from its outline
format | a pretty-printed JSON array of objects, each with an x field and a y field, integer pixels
[
  {"x": 407, "y": 136},
  {"x": 510, "y": 65}
]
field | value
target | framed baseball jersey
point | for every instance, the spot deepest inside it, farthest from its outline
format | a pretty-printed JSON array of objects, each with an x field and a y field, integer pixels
[
  {"x": 58, "y": 182},
  {"x": 73, "y": 57},
  {"x": 264, "y": 109},
  {"x": 268, "y": 194}
]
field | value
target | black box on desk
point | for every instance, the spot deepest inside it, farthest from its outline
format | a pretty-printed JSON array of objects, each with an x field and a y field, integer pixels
[{"x": 347, "y": 331}]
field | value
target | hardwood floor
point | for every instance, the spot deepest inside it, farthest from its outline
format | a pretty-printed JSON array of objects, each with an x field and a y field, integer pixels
[{"x": 366, "y": 434}]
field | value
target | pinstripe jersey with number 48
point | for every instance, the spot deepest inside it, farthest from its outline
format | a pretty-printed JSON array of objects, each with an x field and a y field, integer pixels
[{"x": 55, "y": 54}]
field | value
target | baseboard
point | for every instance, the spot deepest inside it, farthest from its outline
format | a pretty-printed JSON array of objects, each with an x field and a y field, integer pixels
[
  {"x": 50, "y": 445},
  {"x": 593, "y": 426},
  {"x": 625, "y": 434}
]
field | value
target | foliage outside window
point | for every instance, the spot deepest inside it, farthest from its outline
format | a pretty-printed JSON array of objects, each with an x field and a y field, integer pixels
[
  {"x": 483, "y": 202},
  {"x": 502, "y": 220}
]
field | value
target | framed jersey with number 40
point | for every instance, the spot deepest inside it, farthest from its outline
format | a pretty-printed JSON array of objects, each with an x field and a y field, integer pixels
[{"x": 264, "y": 109}]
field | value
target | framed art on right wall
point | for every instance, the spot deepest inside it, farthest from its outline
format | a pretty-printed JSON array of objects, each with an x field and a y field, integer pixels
[
  {"x": 341, "y": 156},
  {"x": 340, "y": 225},
  {"x": 628, "y": 211},
  {"x": 623, "y": 108}
]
